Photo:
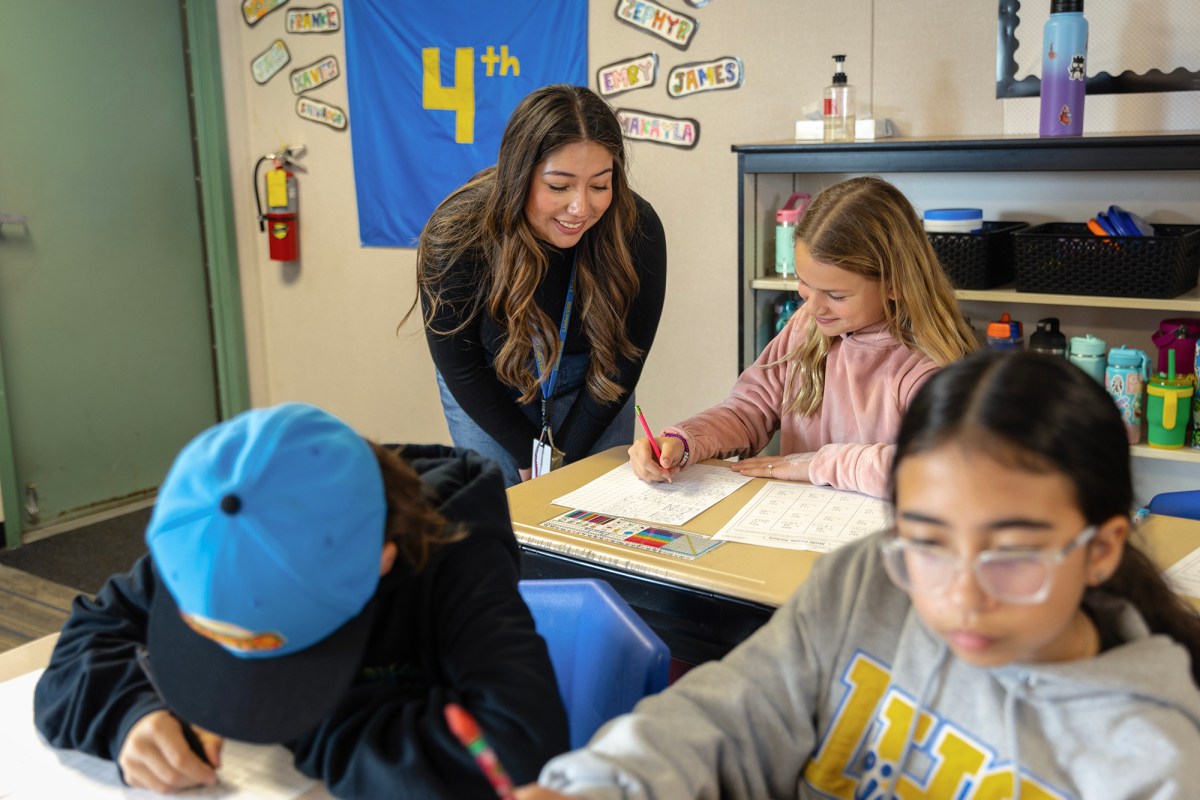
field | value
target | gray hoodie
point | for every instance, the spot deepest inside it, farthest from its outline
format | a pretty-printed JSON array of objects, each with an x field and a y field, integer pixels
[{"x": 819, "y": 703}]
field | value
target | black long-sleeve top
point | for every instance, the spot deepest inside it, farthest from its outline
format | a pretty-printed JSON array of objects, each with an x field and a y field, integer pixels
[
  {"x": 464, "y": 358},
  {"x": 457, "y": 631}
]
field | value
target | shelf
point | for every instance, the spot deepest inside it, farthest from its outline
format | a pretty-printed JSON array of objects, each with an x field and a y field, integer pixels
[
  {"x": 972, "y": 154},
  {"x": 1189, "y": 302},
  {"x": 1169, "y": 162},
  {"x": 1186, "y": 455}
]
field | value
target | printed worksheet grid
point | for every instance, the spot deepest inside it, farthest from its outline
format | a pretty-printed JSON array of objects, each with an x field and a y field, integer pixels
[{"x": 798, "y": 509}]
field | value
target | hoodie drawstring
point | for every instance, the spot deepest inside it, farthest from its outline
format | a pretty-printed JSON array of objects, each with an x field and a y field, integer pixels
[
  {"x": 1010, "y": 727},
  {"x": 926, "y": 687}
]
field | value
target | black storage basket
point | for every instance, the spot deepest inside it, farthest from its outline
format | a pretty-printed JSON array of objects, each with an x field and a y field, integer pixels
[
  {"x": 1067, "y": 258},
  {"x": 981, "y": 260}
]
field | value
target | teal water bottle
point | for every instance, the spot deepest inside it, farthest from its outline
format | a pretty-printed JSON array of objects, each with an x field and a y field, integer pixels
[
  {"x": 1125, "y": 378},
  {"x": 1087, "y": 353},
  {"x": 1064, "y": 69},
  {"x": 786, "y": 220}
]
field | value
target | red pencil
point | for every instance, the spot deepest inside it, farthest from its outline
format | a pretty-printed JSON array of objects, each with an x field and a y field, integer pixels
[
  {"x": 646, "y": 427},
  {"x": 466, "y": 730}
]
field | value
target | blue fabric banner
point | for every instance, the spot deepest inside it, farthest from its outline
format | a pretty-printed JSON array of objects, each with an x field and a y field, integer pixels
[{"x": 431, "y": 87}]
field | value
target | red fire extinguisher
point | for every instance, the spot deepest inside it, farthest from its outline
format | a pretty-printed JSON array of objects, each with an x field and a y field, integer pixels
[{"x": 282, "y": 218}]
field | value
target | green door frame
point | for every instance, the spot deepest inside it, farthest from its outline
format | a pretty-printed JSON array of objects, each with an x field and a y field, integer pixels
[{"x": 202, "y": 45}]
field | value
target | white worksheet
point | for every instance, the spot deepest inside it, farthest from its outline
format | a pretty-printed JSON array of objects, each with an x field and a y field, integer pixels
[
  {"x": 622, "y": 494},
  {"x": 1184, "y": 575},
  {"x": 799, "y": 516},
  {"x": 34, "y": 769}
]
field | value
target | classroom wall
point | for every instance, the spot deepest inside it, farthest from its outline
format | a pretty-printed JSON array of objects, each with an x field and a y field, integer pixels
[{"x": 324, "y": 330}]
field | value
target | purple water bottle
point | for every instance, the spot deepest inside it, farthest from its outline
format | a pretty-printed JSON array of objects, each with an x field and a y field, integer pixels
[{"x": 1064, "y": 69}]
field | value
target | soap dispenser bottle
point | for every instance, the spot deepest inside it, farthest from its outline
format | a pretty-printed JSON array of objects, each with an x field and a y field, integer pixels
[{"x": 839, "y": 105}]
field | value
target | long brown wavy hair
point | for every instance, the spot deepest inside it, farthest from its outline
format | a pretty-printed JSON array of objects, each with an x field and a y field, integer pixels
[
  {"x": 412, "y": 523},
  {"x": 485, "y": 221},
  {"x": 867, "y": 226}
]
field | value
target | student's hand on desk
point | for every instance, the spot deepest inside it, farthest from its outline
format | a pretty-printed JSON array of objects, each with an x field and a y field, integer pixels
[
  {"x": 778, "y": 468},
  {"x": 156, "y": 755},
  {"x": 525, "y": 474},
  {"x": 641, "y": 458},
  {"x": 531, "y": 791}
]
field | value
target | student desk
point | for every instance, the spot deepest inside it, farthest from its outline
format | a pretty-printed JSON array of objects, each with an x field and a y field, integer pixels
[
  {"x": 36, "y": 654},
  {"x": 701, "y": 608}
]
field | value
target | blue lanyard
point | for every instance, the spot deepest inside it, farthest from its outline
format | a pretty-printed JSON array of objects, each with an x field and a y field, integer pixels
[{"x": 539, "y": 355}]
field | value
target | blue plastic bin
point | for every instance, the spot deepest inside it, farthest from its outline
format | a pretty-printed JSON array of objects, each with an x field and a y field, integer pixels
[{"x": 605, "y": 656}]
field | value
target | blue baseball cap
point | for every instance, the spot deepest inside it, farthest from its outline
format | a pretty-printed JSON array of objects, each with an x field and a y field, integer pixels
[{"x": 266, "y": 535}]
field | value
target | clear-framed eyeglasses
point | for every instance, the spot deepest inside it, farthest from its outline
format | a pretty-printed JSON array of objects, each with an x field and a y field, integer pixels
[{"x": 1010, "y": 576}]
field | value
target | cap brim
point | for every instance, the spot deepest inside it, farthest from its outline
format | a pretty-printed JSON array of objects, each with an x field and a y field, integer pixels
[{"x": 261, "y": 700}]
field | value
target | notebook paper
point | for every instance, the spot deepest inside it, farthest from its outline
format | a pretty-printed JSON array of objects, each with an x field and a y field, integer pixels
[
  {"x": 34, "y": 769},
  {"x": 620, "y": 493}
]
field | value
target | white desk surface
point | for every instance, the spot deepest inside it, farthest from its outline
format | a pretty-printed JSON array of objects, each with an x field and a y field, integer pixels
[{"x": 766, "y": 575}]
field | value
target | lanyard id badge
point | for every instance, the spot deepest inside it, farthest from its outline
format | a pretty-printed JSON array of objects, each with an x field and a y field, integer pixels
[{"x": 546, "y": 456}]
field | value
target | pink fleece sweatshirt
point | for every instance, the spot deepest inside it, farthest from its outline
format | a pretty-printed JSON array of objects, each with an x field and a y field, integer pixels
[{"x": 869, "y": 380}]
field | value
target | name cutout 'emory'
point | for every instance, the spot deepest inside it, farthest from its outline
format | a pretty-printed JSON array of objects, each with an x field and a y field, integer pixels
[{"x": 638, "y": 72}]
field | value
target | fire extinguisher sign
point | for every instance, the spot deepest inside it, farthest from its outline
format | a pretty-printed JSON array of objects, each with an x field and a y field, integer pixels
[{"x": 444, "y": 97}]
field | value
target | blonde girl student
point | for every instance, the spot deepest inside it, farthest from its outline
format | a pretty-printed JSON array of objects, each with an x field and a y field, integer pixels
[
  {"x": 879, "y": 317},
  {"x": 1005, "y": 639}
]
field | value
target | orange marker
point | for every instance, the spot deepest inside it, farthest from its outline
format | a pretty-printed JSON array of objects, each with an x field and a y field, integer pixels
[{"x": 466, "y": 730}]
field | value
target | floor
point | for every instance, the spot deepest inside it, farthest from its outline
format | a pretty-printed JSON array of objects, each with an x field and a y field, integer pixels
[{"x": 30, "y": 607}]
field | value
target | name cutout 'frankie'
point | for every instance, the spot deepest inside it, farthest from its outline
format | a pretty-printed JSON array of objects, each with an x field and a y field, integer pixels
[
  {"x": 326, "y": 19},
  {"x": 705, "y": 76},
  {"x": 638, "y": 72}
]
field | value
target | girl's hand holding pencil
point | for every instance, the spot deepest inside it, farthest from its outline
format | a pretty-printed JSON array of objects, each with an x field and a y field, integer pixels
[
  {"x": 647, "y": 467},
  {"x": 654, "y": 460}
]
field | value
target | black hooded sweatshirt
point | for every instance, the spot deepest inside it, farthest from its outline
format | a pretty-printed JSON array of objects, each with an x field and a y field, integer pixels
[{"x": 458, "y": 631}]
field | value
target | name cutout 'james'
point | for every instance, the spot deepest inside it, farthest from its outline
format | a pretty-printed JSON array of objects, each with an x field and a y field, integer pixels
[{"x": 705, "y": 76}]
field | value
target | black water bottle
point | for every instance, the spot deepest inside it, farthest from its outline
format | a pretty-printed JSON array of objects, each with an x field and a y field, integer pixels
[{"x": 1048, "y": 339}]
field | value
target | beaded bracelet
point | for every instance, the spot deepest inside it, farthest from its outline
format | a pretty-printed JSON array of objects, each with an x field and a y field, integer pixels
[{"x": 687, "y": 453}]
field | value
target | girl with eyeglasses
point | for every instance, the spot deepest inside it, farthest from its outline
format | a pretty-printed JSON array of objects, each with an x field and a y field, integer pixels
[{"x": 1005, "y": 639}]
